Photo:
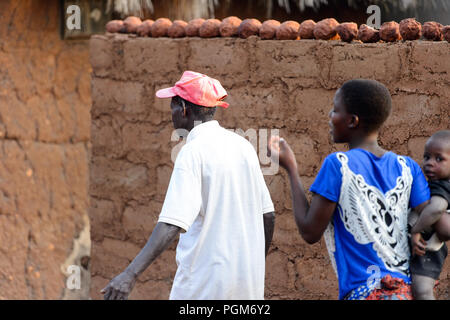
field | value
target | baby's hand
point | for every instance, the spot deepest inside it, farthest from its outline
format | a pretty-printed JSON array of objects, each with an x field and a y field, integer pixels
[
  {"x": 279, "y": 150},
  {"x": 418, "y": 244}
]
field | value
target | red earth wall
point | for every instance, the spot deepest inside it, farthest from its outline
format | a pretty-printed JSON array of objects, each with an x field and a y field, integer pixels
[
  {"x": 287, "y": 85},
  {"x": 45, "y": 104}
]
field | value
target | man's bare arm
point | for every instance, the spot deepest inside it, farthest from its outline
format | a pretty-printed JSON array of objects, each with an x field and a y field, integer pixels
[
  {"x": 269, "y": 224},
  {"x": 162, "y": 236}
]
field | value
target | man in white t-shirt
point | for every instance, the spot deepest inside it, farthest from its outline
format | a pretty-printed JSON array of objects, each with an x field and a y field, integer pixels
[{"x": 218, "y": 196}]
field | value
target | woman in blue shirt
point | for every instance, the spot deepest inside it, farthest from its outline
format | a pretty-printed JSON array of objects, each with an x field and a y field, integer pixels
[{"x": 361, "y": 197}]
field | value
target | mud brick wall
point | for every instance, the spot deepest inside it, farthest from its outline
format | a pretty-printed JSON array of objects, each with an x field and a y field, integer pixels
[
  {"x": 271, "y": 84},
  {"x": 44, "y": 136}
]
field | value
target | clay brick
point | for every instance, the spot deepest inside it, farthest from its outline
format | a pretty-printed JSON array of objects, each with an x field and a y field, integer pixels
[
  {"x": 147, "y": 58},
  {"x": 142, "y": 132},
  {"x": 101, "y": 213},
  {"x": 46, "y": 199},
  {"x": 139, "y": 223},
  {"x": 414, "y": 109},
  {"x": 429, "y": 63},
  {"x": 107, "y": 138},
  {"x": 147, "y": 290},
  {"x": 278, "y": 275},
  {"x": 277, "y": 186},
  {"x": 119, "y": 177},
  {"x": 66, "y": 73},
  {"x": 272, "y": 103},
  {"x": 100, "y": 55},
  {"x": 317, "y": 277},
  {"x": 62, "y": 118},
  {"x": 371, "y": 61},
  {"x": 304, "y": 149},
  {"x": 161, "y": 269},
  {"x": 163, "y": 174},
  {"x": 276, "y": 59},
  {"x": 312, "y": 105},
  {"x": 416, "y": 147},
  {"x": 107, "y": 263},
  {"x": 121, "y": 249},
  {"x": 77, "y": 173},
  {"x": 110, "y": 95},
  {"x": 17, "y": 120},
  {"x": 226, "y": 59}
]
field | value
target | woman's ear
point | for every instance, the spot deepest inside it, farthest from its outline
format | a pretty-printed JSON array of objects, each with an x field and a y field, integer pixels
[{"x": 354, "y": 121}]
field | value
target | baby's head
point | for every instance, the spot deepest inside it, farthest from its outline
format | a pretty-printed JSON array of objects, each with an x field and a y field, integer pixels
[{"x": 436, "y": 157}]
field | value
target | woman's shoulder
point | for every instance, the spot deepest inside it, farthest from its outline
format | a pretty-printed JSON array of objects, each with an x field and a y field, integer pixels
[
  {"x": 362, "y": 156},
  {"x": 334, "y": 157}
]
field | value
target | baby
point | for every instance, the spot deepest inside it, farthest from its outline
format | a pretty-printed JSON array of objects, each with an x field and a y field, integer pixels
[{"x": 432, "y": 227}]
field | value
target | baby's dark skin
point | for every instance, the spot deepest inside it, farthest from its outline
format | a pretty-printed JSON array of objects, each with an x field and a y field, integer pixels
[{"x": 436, "y": 166}]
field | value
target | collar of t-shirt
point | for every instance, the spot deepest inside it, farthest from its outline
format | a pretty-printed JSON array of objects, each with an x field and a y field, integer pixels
[{"x": 198, "y": 129}]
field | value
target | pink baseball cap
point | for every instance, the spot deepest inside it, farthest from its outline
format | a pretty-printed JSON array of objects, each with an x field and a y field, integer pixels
[{"x": 197, "y": 88}]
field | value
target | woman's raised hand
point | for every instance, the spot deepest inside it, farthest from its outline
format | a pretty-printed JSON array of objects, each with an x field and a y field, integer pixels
[{"x": 280, "y": 151}]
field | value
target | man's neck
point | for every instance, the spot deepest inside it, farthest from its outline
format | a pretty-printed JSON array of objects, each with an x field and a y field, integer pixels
[{"x": 200, "y": 121}]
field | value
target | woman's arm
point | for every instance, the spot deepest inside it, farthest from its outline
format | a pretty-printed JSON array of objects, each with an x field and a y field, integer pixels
[{"x": 311, "y": 220}]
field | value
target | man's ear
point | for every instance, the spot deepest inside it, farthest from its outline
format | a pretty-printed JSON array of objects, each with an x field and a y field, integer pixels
[
  {"x": 187, "y": 111},
  {"x": 354, "y": 121},
  {"x": 183, "y": 104}
]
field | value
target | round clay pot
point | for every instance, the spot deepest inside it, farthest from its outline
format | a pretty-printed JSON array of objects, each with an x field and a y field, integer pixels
[
  {"x": 145, "y": 28},
  {"x": 410, "y": 29},
  {"x": 288, "y": 30},
  {"x": 268, "y": 29},
  {"x": 209, "y": 28},
  {"x": 115, "y": 26},
  {"x": 368, "y": 34},
  {"x": 326, "y": 29},
  {"x": 306, "y": 29},
  {"x": 347, "y": 31},
  {"x": 446, "y": 33},
  {"x": 160, "y": 27},
  {"x": 131, "y": 24},
  {"x": 177, "y": 29},
  {"x": 390, "y": 32},
  {"x": 229, "y": 27},
  {"x": 193, "y": 26},
  {"x": 432, "y": 31},
  {"x": 249, "y": 27}
]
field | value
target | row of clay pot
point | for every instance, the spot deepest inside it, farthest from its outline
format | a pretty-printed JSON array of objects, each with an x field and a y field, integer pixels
[{"x": 326, "y": 29}]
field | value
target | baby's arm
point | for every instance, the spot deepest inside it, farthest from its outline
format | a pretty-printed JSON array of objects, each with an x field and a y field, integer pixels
[{"x": 430, "y": 214}]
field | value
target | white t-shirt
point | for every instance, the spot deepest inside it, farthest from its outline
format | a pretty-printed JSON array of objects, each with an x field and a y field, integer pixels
[{"x": 217, "y": 193}]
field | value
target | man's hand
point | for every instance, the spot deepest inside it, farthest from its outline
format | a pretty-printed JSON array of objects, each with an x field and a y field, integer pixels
[
  {"x": 418, "y": 244},
  {"x": 279, "y": 150},
  {"x": 120, "y": 287},
  {"x": 162, "y": 236}
]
